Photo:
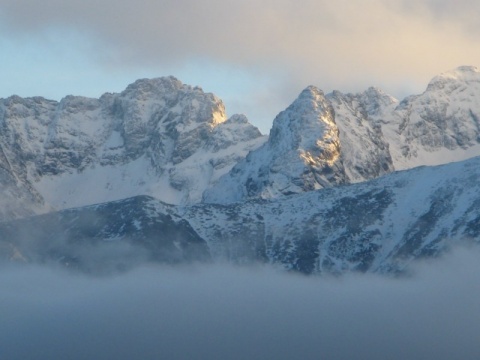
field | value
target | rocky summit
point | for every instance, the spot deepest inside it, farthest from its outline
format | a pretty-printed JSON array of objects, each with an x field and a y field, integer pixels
[
  {"x": 328, "y": 140},
  {"x": 158, "y": 137},
  {"x": 343, "y": 182}
]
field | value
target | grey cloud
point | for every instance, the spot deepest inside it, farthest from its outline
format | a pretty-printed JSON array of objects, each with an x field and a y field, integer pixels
[
  {"x": 222, "y": 312},
  {"x": 397, "y": 45},
  {"x": 316, "y": 34}
]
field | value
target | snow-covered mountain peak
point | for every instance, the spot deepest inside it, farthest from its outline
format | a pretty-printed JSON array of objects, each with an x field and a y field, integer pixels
[
  {"x": 309, "y": 118},
  {"x": 301, "y": 154},
  {"x": 310, "y": 100},
  {"x": 167, "y": 87},
  {"x": 237, "y": 119},
  {"x": 439, "y": 126},
  {"x": 306, "y": 130},
  {"x": 173, "y": 141},
  {"x": 236, "y": 131},
  {"x": 311, "y": 92},
  {"x": 325, "y": 140},
  {"x": 184, "y": 102},
  {"x": 371, "y": 104},
  {"x": 464, "y": 72},
  {"x": 376, "y": 101},
  {"x": 364, "y": 150},
  {"x": 453, "y": 79},
  {"x": 158, "y": 137},
  {"x": 160, "y": 84}
]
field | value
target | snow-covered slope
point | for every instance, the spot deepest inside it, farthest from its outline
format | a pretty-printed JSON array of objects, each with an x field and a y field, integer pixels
[
  {"x": 302, "y": 154},
  {"x": 158, "y": 137},
  {"x": 439, "y": 126},
  {"x": 172, "y": 141},
  {"x": 365, "y": 151},
  {"x": 376, "y": 226},
  {"x": 379, "y": 225},
  {"x": 18, "y": 198},
  {"x": 104, "y": 238},
  {"x": 323, "y": 141}
]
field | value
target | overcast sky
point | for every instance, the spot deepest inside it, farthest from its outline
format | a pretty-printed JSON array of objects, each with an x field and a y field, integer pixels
[{"x": 256, "y": 55}]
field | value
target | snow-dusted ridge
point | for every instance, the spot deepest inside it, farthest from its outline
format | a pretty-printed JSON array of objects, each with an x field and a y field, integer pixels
[
  {"x": 333, "y": 139},
  {"x": 377, "y": 226},
  {"x": 158, "y": 137},
  {"x": 439, "y": 126},
  {"x": 275, "y": 200},
  {"x": 172, "y": 141},
  {"x": 301, "y": 154}
]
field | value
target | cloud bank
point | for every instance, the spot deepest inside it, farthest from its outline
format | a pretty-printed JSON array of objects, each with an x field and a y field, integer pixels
[
  {"x": 284, "y": 45},
  {"x": 383, "y": 39},
  {"x": 223, "y": 312}
]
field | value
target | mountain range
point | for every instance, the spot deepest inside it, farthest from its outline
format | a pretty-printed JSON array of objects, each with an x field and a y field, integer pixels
[{"x": 158, "y": 172}]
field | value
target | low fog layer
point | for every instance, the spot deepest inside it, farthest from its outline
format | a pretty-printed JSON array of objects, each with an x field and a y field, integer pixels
[{"x": 225, "y": 312}]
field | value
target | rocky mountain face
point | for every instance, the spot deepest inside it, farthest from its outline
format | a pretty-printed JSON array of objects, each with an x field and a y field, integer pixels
[
  {"x": 102, "y": 239},
  {"x": 341, "y": 138},
  {"x": 302, "y": 154},
  {"x": 321, "y": 193},
  {"x": 377, "y": 226},
  {"x": 158, "y": 137},
  {"x": 18, "y": 197},
  {"x": 172, "y": 141},
  {"x": 440, "y": 125},
  {"x": 365, "y": 151}
]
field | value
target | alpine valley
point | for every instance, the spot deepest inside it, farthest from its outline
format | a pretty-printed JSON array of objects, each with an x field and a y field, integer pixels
[{"x": 158, "y": 173}]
